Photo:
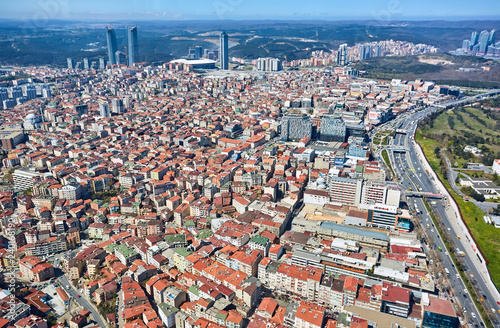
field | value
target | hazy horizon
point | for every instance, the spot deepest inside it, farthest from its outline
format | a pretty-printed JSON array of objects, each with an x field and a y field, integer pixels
[{"x": 146, "y": 10}]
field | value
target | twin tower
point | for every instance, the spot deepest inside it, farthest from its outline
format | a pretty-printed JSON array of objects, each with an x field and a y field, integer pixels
[{"x": 133, "y": 46}]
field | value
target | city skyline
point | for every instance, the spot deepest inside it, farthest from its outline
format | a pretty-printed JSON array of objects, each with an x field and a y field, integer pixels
[{"x": 222, "y": 9}]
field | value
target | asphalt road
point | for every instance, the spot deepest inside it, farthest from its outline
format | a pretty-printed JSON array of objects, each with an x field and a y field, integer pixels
[
  {"x": 81, "y": 300},
  {"x": 409, "y": 168}
]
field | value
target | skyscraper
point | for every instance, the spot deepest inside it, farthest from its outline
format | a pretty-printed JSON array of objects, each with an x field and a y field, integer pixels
[
  {"x": 4, "y": 95},
  {"x": 102, "y": 64},
  {"x": 466, "y": 45},
  {"x": 342, "y": 55},
  {"x": 30, "y": 91},
  {"x": 133, "y": 46},
  {"x": 491, "y": 38},
  {"x": 474, "y": 39},
  {"x": 104, "y": 110},
  {"x": 112, "y": 47},
  {"x": 71, "y": 63},
  {"x": 86, "y": 63},
  {"x": 483, "y": 41},
  {"x": 117, "y": 106},
  {"x": 365, "y": 51},
  {"x": 224, "y": 52}
]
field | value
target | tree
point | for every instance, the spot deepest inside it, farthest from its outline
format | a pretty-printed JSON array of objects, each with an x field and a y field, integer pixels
[
  {"x": 477, "y": 196},
  {"x": 451, "y": 122},
  {"x": 436, "y": 151},
  {"x": 496, "y": 211},
  {"x": 496, "y": 179}
]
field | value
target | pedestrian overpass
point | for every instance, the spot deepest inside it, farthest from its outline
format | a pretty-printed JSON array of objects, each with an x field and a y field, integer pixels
[{"x": 423, "y": 194}]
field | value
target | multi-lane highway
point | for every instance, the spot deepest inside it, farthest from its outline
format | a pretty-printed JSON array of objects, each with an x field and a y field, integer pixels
[{"x": 411, "y": 172}]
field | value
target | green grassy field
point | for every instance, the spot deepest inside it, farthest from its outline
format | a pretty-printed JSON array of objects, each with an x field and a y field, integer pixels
[
  {"x": 486, "y": 235},
  {"x": 471, "y": 123}
]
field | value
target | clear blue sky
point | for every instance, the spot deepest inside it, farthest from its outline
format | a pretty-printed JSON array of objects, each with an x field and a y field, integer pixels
[{"x": 382, "y": 10}]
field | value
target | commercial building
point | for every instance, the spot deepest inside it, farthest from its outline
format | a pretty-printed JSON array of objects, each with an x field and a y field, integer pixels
[
  {"x": 395, "y": 300},
  {"x": 224, "y": 51},
  {"x": 388, "y": 217},
  {"x": 202, "y": 63},
  {"x": 195, "y": 52},
  {"x": 333, "y": 129},
  {"x": 438, "y": 313},
  {"x": 380, "y": 192},
  {"x": 112, "y": 47},
  {"x": 345, "y": 191},
  {"x": 11, "y": 138},
  {"x": 133, "y": 46},
  {"x": 296, "y": 127}
]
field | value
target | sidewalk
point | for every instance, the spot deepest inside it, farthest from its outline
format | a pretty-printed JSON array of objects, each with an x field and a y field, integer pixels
[{"x": 459, "y": 226}]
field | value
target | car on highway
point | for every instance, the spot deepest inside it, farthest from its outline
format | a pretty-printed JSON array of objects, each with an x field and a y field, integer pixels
[
  {"x": 79, "y": 296},
  {"x": 473, "y": 315}
]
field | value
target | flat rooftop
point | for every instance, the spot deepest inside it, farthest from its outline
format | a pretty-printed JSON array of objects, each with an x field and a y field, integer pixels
[
  {"x": 202, "y": 61},
  {"x": 383, "y": 320},
  {"x": 356, "y": 231}
]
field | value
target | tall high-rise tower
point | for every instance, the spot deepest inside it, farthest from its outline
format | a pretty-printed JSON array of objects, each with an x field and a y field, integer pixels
[
  {"x": 112, "y": 47},
  {"x": 491, "y": 38},
  {"x": 71, "y": 63},
  {"x": 342, "y": 55},
  {"x": 133, "y": 46},
  {"x": 104, "y": 110},
  {"x": 474, "y": 38},
  {"x": 484, "y": 37},
  {"x": 224, "y": 52}
]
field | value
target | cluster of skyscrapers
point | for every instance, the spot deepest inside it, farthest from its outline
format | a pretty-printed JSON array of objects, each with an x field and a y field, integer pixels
[
  {"x": 362, "y": 51},
  {"x": 115, "y": 56},
  {"x": 221, "y": 54},
  {"x": 482, "y": 44},
  {"x": 368, "y": 51},
  {"x": 19, "y": 94}
]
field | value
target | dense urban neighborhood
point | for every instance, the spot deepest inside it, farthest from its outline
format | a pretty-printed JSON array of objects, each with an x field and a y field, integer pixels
[{"x": 173, "y": 196}]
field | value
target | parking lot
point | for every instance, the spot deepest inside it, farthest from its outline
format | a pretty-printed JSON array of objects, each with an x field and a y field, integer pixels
[{"x": 55, "y": 300}]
